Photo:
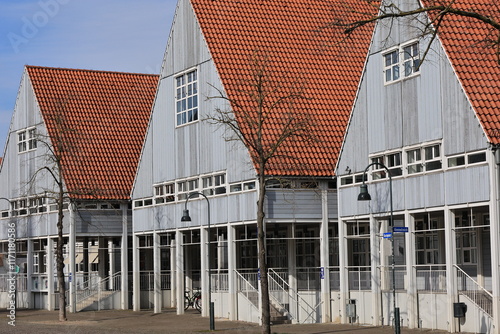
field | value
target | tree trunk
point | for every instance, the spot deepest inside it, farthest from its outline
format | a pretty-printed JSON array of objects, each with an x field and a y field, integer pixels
[
  {"x": 261, "y": 242},
  {"x": 60, "y": 258}
]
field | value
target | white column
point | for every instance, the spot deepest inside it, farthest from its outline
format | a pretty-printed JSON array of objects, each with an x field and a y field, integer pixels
[
  {"x": 292, "y": 272},
  {"x": 112, "y": 264},
  {"x": 173, "y": 275},
  {"x": 50, "y": 274},
  {"x": 375, "y": 272},
  {"x": 179, "y": 272},
  {"x": 72, "y": 258},
  {"x": 231, "y": 269},
  {"x": 451, "y": 272},
  {"x": 124, "y": 258},
  {"x": 29, "y": 271},
  {"x": 343, "y": 272},
  {"x": 411, "y": 284},
  {"x": 494, "y": 162},
  {"x": 136, "y": 288},
  {"x": 325, "y": 260},
  {"x": 204, "y": 271},
  {"x": 157, "y": 273}
]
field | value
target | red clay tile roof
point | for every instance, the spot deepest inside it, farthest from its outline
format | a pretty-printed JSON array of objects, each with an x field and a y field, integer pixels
[
  {"x": 102, "y": 119},
  {"x": 303, "y": 49},
  {"x": 475, "y": 63}
]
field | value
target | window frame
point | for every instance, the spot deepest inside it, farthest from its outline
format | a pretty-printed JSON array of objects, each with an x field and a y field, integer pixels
[
  {"x": 398, "y": 62},
  {"x": 186, "y": 98}
]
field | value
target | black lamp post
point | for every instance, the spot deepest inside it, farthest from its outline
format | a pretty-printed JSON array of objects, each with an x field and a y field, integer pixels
[
  {"x": 187, "y": 218},
  {"x": 365, "y": 196}
]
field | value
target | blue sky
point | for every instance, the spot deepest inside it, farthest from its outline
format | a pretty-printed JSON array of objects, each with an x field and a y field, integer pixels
[{"x": 114, "y": 35}]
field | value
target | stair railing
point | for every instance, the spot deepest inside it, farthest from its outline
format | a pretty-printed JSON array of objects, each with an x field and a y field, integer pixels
[
  {"x": 280, "y": 290},
  {"x": 468, "y": 287}
]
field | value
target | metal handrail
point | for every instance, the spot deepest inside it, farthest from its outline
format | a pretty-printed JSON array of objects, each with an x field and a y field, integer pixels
[
  {"x": 249, "y": 288},
  {"x": 472, "y": 293},
  {"x": 285, "y": 287}
]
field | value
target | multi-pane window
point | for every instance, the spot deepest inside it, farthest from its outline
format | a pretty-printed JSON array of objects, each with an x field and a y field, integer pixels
[
  {"x": 186, "y": 97},
  {"x": 214, "y": 184},
  {"x": 393, "y": 163},
  {"x": 432, "y": 157},
  {"x": 405, "y": 60},
  {"x": 411, "y": 59},
  {"x": 428, "y": 234},
  {"x": 391, "y": 66},
  {"x": 26, "y": 140},
  {"x": 414, "y": 161}
]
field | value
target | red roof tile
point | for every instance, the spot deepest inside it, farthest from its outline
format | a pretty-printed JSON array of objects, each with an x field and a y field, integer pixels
[
  {"x": 475, "y": 61},
  {"x": 102, "y": 119},
  {"x": 304, "y": 49}
]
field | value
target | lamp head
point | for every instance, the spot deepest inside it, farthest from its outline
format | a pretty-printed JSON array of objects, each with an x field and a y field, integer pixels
[
  {"x": 363, "y": 193},
  {"x": 185, "y": 216}
]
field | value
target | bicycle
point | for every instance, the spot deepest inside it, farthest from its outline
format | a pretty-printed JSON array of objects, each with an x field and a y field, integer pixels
[{"x": 193, "y": 300}]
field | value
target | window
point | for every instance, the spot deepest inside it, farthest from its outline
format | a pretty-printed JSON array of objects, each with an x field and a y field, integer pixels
[
  {"x": 476, "y": 158},
  {"x": 411, "y": 59},
  {"x": 432, "y": 157},
  {"x": 405, "y": 59},
  {"x": 424, "y": 159},
  {"x": 391, "y": 66},
  {"x": 414, "y": 161},
  {"x": 186, "y": 98},
  {"x": 394, "y": 164},
  {"x": 214, "y": 185},
  {"x": 26, "y": 140}
]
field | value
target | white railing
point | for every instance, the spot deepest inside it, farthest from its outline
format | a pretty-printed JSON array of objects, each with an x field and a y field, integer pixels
[
  {"x": 359, "y": 278},
  {"x": 431, "y": 278},
  {"x": 147, "y": 278},
  {"x": 388, "y": 276},
  {"x": 468, "y": 287},
  {"x": 247, "y": 288},
  {"x": 21, "y": 282},
  {"x": 281, "y": 293},
  {"x": 220, "y": 282}
]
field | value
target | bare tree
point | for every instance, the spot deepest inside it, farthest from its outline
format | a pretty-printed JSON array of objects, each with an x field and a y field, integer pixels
[
  {"x": 264, "y": 117},
  {"x": 61, "y": 142},
  {"x": 441, "y": 13}
]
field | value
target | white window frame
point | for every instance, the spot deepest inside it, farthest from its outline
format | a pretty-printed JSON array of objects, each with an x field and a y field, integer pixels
[
  {"x": 26, "y": 140},
  {"x": 186, "y": 96},
  {"x": 398, "y": 60}
]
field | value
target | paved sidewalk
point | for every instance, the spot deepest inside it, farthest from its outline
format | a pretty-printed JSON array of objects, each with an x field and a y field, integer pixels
[{"x": 124, "y": 322}]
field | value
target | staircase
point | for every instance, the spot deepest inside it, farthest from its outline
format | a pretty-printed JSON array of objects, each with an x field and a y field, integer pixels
[
  {"x": 97, "y": 292},
  {"x": 473, "y": 291}
]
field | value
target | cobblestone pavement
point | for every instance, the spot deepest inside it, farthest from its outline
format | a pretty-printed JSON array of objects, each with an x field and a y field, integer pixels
[{"x": 114, "y": 322}]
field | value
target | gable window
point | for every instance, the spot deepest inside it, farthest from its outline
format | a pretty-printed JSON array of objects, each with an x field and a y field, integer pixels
[
  {"x": 186, "y": 98},
  {"x": 402, "y": 62},
  {"x": 26, "y": 140}
]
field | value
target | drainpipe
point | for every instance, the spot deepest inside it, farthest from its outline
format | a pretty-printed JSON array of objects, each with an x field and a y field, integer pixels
[{"x": 494, "y": 233}]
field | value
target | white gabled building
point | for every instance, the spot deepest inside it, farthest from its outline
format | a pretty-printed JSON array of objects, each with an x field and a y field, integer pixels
[
  {"x": 95, "y": 121},
  {"x": 210, "y": 49},
  {"x": 434, "y": 125}
]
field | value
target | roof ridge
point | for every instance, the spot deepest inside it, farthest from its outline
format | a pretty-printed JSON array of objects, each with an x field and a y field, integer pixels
[{"x": 88, "y": 70}]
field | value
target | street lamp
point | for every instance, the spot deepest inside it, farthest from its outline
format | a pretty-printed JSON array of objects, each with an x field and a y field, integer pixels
[
  {"x": 365, "y": 196},
  {"x": 187, "y": 218}
]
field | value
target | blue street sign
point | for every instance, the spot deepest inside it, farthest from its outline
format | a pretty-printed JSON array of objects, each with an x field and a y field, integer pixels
[
  {"x": 387, "y": 235},
  {"x": 402, "y": 229}
]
